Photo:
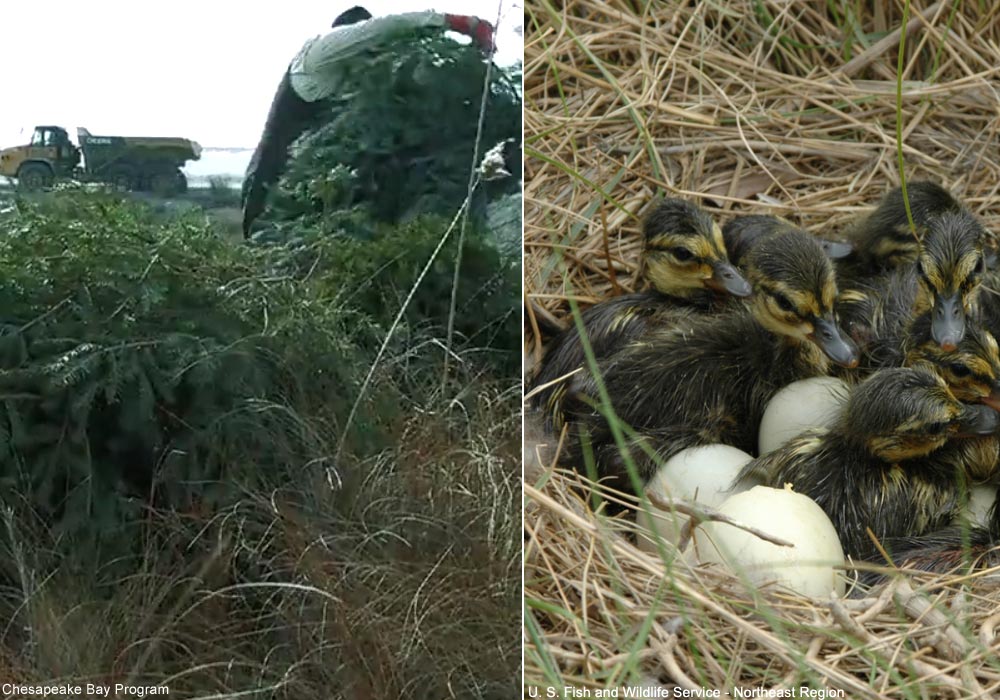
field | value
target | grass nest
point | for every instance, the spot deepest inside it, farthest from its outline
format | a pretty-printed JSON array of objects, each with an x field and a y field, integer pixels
[{"x": 750, "y": 106}]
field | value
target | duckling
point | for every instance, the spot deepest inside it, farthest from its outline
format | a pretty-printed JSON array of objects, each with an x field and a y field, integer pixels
[
  {"x": 743, "y": 232},
  {"x": 945, "y": 282},
  {"x": 710, "y": 381},
  {"x": 889, "y": 461},
  {"x": 946, "y": 550},
  {"x": 686, "y": 266},
  {"x": 950, "y": 269},
  {"x": 883, "y": 241},
  {"x": 685, "y": 254},
  {"x": 972, "y": 373},
  {"x": 989, "y": 300},
  {"x": 971, "y": 370}
]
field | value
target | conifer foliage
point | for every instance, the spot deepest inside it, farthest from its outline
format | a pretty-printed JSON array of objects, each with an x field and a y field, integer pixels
[
  {"x": 131, "y": 357},
  {"x": 369, "y": 192},
  {"x": 148, "y": 363},
  {"x": 399, "y": 136},
  {"x": 174, "y": 417}
]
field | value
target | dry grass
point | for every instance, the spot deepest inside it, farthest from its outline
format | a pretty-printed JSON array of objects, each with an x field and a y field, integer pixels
[
  {"x": 704, "y": 100},
  {"x": 601, "y": 612},
  {"x": 399, "y": 581},
  {"x": 761, "y": 106}
]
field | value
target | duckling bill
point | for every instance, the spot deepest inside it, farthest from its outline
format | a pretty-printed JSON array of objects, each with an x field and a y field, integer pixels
[{"x": 944, "y": 283}]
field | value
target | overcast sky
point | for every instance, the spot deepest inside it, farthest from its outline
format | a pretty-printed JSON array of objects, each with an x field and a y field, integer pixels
[{"x": 201, "y": 69}]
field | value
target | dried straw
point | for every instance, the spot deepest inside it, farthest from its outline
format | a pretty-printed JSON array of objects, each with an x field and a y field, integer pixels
[
  {"x": 764, "y": 106},
  {"x": 602, "y": 609}
]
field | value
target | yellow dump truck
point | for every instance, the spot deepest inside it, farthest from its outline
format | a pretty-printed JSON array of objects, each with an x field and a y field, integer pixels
[{"x": 129, "y": 163}]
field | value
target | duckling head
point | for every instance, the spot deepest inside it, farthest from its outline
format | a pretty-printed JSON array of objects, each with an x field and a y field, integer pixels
[
  {"x": 949, "y": 271},
  {"x": 685, "y": 252},
  {"x": 892, "y": 241},
  {"x": 971, "y": 371},
  {"x": 745, "y": 231},
  {"x": 795, "y": 291},
  {"x": 906, "y": 413}
]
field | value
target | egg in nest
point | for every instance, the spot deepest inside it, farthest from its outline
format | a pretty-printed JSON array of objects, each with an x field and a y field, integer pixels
[
  {"x": 808, "y": 403},
  {"x": 703, "y": 474},
  {"x": 809, "y": 567}
]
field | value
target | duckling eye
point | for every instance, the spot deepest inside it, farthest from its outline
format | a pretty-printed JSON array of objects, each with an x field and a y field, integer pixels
[
  {"x": 980, "y": 266},
  {"x": 933, "y": 428},
  {"x": 920, "y": 269},
  {"x": 783, "y": 303},
  {"x": 682, "y": 254},
  {"x": 959, "y": 370}
]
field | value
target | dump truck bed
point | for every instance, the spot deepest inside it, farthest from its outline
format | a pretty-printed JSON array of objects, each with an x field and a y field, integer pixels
[{"x": 103, "y": 148}]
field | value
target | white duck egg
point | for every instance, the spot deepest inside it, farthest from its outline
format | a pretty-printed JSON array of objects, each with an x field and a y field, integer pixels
[
  {"x": 806, "y": 568},
  {"x": 703, "y": 474},
  {"x": 807, "y": 403},
  {"x": 977, "y": 511}
]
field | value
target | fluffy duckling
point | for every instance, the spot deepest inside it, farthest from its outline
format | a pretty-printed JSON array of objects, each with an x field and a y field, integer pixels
[
  {"x": 744, "y": 232},
  {"x": 972, "y": 373},
  {"x": 945, "y": 283},
  {"x": 949, "y": 271},
  {"x": 971, "y": 370},
  {"x": 883, "y": 240},
  {"x": 947, "y": 550},
  {"x": 688, "y": 271},
  {"x": 889, "y": 462},
  {"x": 710, "y": 381},
  {"x": 685, "y": 254}
]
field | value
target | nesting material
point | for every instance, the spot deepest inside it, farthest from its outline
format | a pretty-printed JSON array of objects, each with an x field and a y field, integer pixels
[
  {"x": 701, "y": 101},
  {"x": 589, "y": 590},
  {"x": 808, "y": 403},
  {"x": 750, "y": 106}
]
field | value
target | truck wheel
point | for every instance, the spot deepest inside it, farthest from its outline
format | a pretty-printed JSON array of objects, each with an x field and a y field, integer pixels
[
  {"x": 34, "y": 176},
  {"x": 122, "y": 179},
  {"x": 162, "y": 184},
  {"x": 182, "y": 182}
]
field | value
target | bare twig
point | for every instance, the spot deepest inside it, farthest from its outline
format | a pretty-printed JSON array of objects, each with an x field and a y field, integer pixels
[{"x": 699, "y": 513}]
